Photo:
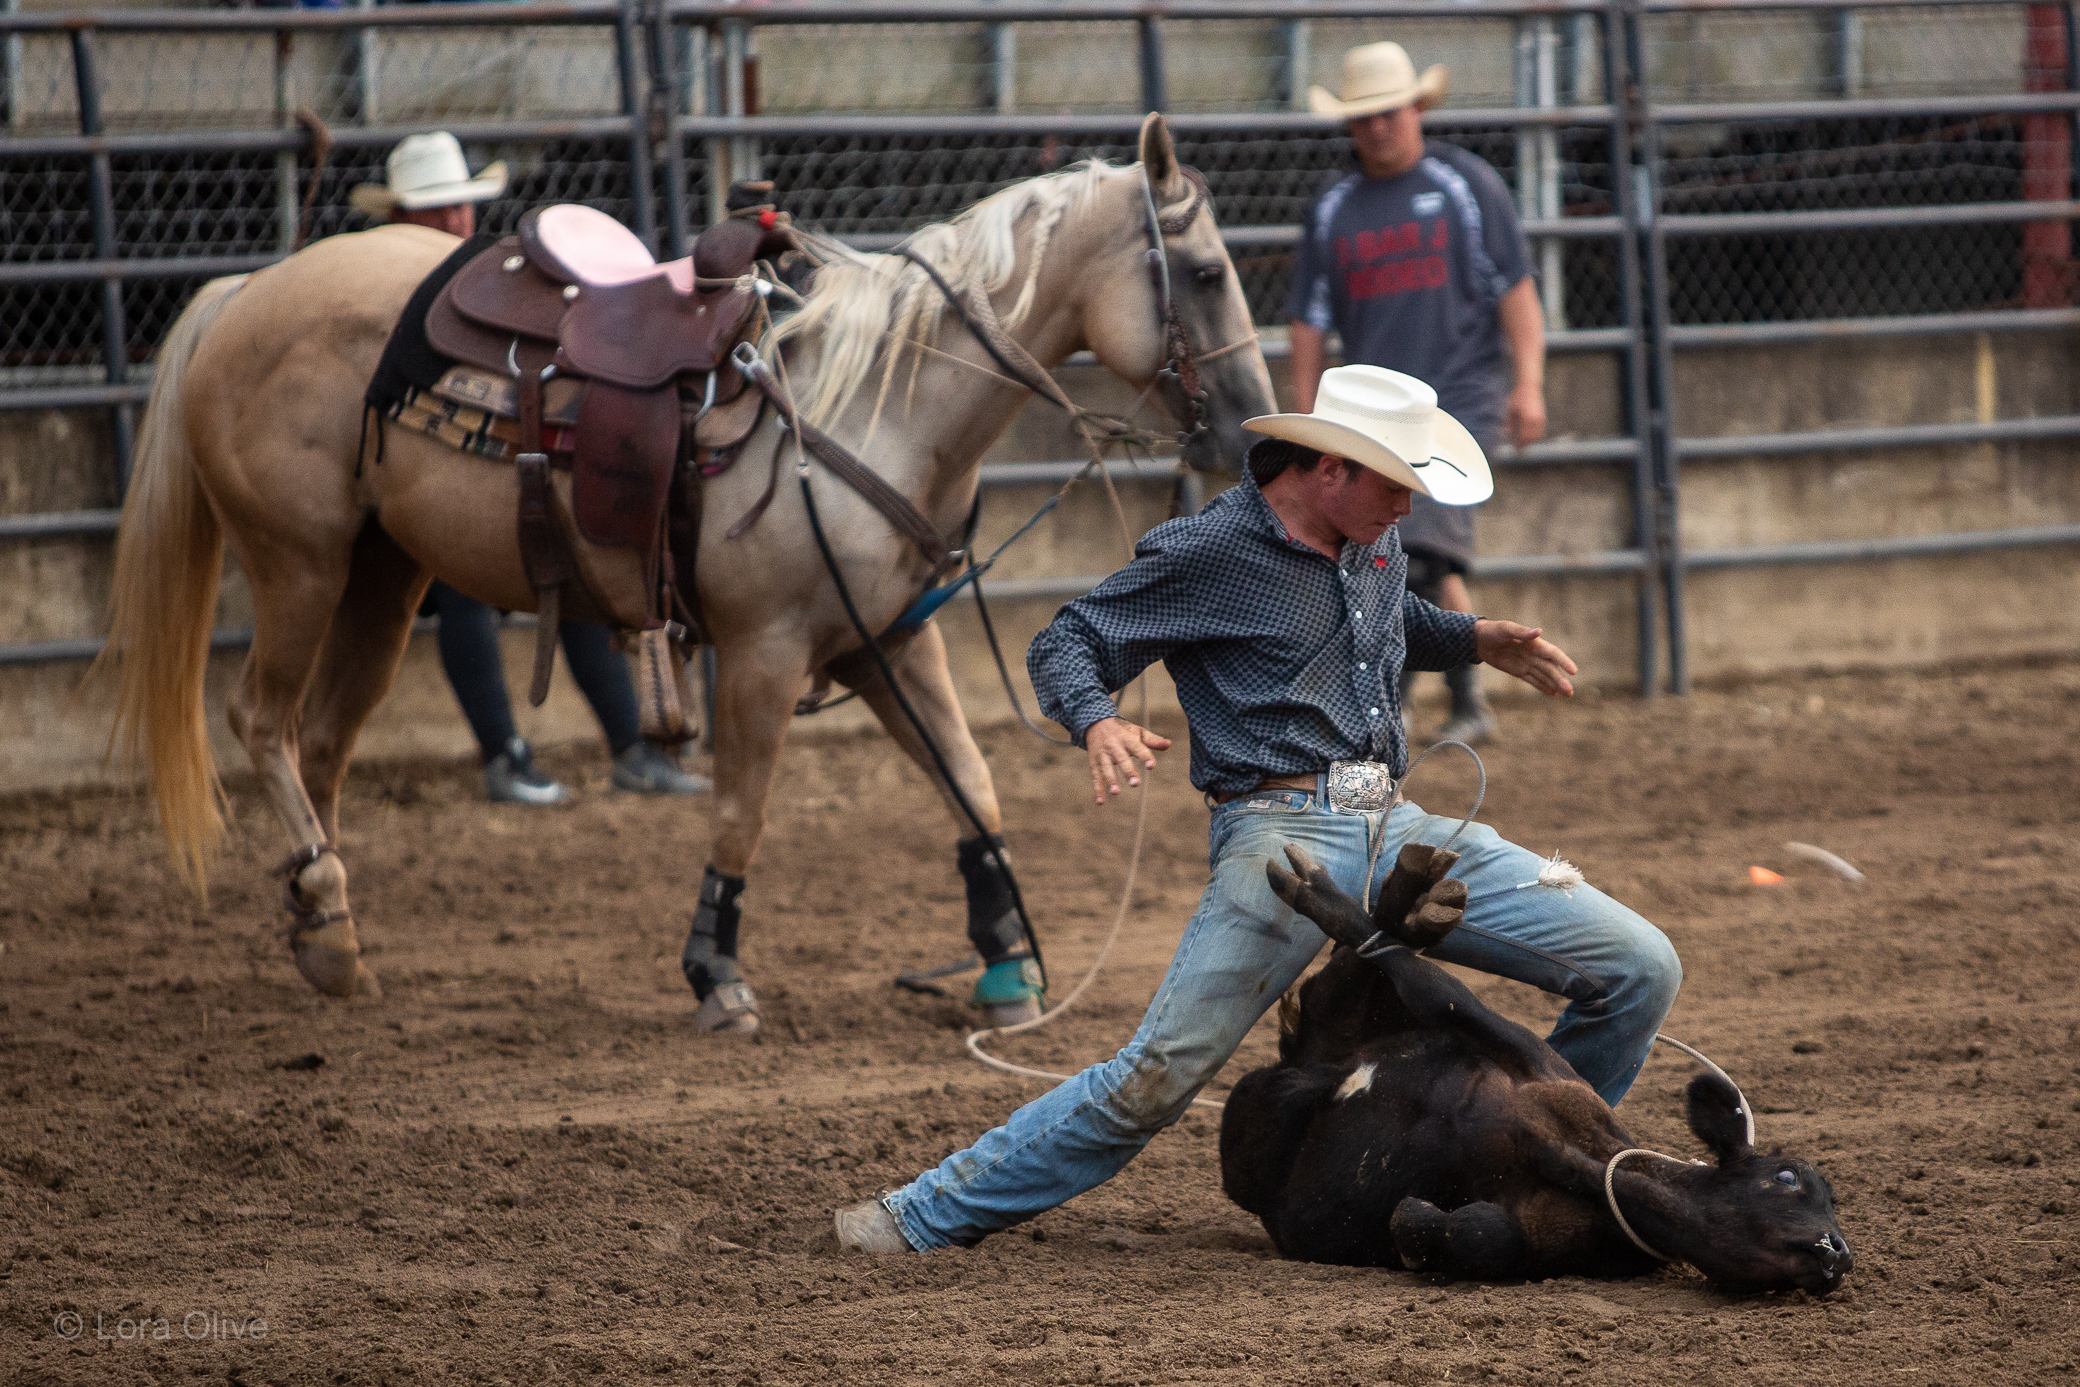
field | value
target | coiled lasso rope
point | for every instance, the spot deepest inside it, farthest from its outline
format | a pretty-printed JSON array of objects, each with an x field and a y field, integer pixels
[{"x": 1126, "y": 895}]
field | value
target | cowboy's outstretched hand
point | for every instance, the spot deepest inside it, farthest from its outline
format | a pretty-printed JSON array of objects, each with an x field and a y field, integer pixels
[
  {"x": 1115, "y": 745},
  {"x": 1524, "y": 652}
]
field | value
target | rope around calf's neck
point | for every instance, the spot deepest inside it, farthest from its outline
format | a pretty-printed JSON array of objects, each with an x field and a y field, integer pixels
[
  {"x": 1610, "y": 1196},
  {"x": 1610, "y": 1171}
]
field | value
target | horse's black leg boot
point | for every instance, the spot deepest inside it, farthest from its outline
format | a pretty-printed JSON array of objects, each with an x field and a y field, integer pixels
[
  {"x": 993, "y": 925},
  {"x": 710, "y": 957}
]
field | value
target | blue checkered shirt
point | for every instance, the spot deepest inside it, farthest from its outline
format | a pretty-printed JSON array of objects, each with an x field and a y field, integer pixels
[{"x": 1284, "y": 660}]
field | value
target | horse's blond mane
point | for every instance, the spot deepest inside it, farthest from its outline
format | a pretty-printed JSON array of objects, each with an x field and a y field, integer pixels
[{"x": 860, "y": 304}]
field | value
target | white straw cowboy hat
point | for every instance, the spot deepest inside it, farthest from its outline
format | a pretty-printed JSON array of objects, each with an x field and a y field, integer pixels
[
  {"x": 428, "y": 171},
  {"x": 1389, "y": 422},
  {"x": 1379, "y": 77}
]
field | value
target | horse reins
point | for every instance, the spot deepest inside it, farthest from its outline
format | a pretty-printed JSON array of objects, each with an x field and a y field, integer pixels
[{"x": 978, "y": 315}]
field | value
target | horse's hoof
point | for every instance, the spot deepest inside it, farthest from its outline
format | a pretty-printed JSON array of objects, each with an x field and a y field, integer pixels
[
  {"x": 333, "y": 972},
  {"x": 1013, "y": 1013},
  {"x": 730, "y": 1009},
  {"x": 1009, "y": 992},
  {"x": 329, "y": 957}
]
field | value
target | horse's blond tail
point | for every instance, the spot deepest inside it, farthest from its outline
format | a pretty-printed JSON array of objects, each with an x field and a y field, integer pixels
[{"x": 169, "y": 554}]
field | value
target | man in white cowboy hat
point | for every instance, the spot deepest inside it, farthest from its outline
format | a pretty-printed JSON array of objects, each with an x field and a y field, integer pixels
[
  {"x": 1417, "y": 261},
  {"x": 429, "y": 184},
  {"x": 1280, "y": 612}
]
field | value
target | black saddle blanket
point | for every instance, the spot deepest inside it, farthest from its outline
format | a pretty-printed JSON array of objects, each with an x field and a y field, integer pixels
[{"x": 409, "y": 361}]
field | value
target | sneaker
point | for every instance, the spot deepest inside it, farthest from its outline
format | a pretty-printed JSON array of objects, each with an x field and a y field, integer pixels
[
  {"x": 868, "y": 1226},
  {"x": 1469, "y": 725},
  {"x": 650, "y": 770},
  {"x": 511, "y": 778}
]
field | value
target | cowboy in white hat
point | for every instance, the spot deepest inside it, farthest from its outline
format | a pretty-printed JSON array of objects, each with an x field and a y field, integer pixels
[
  {"x": 1281, "y": 613},
  {"x": 1416, "y": 260},
  {"x": 429, "y": 184}
]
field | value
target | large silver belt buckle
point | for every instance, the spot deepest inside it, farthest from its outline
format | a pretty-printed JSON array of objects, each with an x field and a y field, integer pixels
[{"x": 1359, "y": 787}]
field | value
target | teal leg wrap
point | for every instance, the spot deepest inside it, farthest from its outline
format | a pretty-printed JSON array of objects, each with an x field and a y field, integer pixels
[{"x": 1013, "y": 980}]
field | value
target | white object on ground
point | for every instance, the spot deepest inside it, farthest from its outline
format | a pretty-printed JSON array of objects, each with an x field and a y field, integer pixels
[{"x": 1825, "y": 859}]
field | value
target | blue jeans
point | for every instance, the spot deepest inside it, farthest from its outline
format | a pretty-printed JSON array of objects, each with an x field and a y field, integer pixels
[{"x": 1244, "y": 947}]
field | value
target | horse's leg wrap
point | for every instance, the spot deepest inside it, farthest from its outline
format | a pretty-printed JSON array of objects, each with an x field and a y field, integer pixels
[
  {"x": 993, "y": 925},
  {"x": 710, "y": 957},
  {"x": 1009, "y": 989}
]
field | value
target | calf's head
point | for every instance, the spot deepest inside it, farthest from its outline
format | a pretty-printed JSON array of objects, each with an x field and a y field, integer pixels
[{"x": 1755, "y": 1222}]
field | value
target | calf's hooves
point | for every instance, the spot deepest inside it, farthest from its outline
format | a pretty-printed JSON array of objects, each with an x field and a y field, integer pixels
[
  {"x": 1310, "y": 890},
  {"x": 1486, "y": 1243},
  {"x": 1418, "y": 904},
  {"x": 1436, "y": 915},
  {"x": 1421, "y": 1233}
]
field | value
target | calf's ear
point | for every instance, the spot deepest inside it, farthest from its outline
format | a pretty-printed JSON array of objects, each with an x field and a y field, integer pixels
[{"x": 1718, "y": 1117}]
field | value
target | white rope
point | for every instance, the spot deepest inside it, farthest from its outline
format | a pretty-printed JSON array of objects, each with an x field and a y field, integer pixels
[
  {"x": 1746, "y": 1112},
  {"x": 1126, "y": 895},
  {"x": 1119, "y": 919},
  {"x": 1610, "y": 1195},
  {"x": 1610, "y": 1172}
]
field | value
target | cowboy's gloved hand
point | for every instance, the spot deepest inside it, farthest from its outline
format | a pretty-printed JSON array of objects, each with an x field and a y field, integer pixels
[{"x": 1524, "y": 652}]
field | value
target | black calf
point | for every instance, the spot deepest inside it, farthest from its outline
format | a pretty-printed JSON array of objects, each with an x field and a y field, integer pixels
[{"x": 1407, "y": 1124}]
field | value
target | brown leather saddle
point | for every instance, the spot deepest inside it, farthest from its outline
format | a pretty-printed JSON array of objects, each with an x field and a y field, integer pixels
[{"x": 575, "y": 299}]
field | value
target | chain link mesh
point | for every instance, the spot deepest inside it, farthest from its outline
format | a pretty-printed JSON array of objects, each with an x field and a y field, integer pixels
[
  {"x": 248, "y": 203},
  {"x": 1830, "y": 165}
]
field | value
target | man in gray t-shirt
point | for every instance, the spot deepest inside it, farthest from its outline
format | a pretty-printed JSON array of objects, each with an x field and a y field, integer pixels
[{"x": 1417, "y": 262}]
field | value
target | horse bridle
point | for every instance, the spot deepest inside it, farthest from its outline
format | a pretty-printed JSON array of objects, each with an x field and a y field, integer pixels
[{"x": 1179, "y": 366}]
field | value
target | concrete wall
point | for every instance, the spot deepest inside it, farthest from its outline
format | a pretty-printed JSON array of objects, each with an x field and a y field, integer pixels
[
  {"x": 168, "y": 81},
  {"x": 1742, "y": 622}
]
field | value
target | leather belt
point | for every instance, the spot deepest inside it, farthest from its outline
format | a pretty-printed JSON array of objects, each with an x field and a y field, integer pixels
[
  {"x": 1348, "y": 787},
  {"x": 1309, "y": 782}
]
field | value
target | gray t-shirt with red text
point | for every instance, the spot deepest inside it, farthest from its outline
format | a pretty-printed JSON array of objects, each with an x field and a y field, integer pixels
[{"x": 1409, "y": 272}]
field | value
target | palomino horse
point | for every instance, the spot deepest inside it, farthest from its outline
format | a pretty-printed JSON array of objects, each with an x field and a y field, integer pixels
[{"x": 254, "y": 435}]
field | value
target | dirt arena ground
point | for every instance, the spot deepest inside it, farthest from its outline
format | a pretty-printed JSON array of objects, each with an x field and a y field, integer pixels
[{"x": 523, "y": 1166}]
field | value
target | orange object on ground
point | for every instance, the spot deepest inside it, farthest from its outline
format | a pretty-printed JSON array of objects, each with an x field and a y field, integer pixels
[{"x": 1763, "y": 876}]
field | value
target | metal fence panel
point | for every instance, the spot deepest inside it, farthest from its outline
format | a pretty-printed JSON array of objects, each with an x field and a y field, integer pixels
[{"x": 1693, "y": 172}]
